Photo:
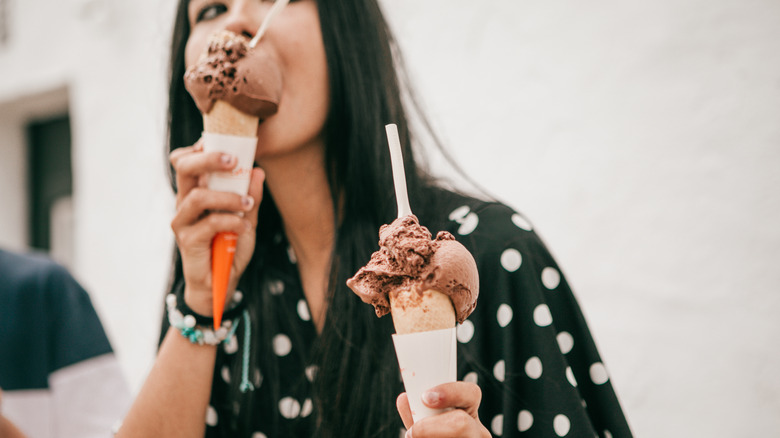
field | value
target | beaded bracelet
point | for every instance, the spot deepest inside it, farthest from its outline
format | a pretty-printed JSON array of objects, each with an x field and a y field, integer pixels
[
  {"x": 200, "y": 334},
  {"x": 188, "y": 325},
  {"x": 233, "y": 308}
]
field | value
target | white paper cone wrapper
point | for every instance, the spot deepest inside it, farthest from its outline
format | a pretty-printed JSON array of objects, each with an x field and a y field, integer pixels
[
  {"x": 243, "y": 148},
  {"x": 427, "y": 359}
]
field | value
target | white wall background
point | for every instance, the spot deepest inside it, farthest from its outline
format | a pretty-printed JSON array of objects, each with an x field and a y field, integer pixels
[
  {"x": 103, "y": 62},
  {"x": 642, "y": 138}
]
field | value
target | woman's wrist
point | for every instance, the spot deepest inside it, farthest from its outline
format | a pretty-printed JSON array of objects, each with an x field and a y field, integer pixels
[
  {"x": 202, "y": 309},
  {"x": 197, "y": 328},
  {"x": 198, "y": 302}
]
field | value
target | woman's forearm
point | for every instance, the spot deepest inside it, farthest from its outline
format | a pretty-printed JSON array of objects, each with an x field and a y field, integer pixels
[{"x": 172, "y": 402}]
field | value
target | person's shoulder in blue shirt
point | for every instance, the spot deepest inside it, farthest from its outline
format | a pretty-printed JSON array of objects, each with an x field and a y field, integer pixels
[{"x": 57, "y": 368}]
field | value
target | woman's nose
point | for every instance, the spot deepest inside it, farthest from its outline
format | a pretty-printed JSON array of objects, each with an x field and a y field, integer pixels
[{"x": 245, "y": 17}]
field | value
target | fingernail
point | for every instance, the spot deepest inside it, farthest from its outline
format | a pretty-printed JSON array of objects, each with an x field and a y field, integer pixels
[
  {"x": 408, "y": 434},
  {"x": 431, "y": 398},
  {"x": 226, "y": 159},
  {"x": 248, "y": 202}
]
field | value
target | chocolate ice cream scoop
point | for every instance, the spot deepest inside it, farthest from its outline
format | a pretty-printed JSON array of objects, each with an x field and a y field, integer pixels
[
  {"x": 248, "y": 79},
  {"x": 408, "y": 259}
]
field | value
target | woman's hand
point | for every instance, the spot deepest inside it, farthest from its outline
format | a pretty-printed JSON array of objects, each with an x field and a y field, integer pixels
[
  {"x": 461, "y": 421},
  {"x": 202, "y": 213}
]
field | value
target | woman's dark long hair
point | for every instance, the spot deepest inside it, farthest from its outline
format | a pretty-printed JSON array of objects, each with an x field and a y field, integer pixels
[{"x": 358, "y": 378}]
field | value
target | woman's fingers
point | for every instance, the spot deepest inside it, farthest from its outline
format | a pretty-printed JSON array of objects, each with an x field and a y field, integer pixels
[
  {"x": 177, "y": 153},
  {"x": 402, "y": 404},
  {"x": 200, "y": 235},
  {"x": 458, "y": 395},
  {"x": 462, "y": 420},
  {"x": 199, "y": 163},
  {"x": 201, "y": 201},
  {"x": 175, "y": 157},
  {"x": 191, "y": 165},
  {"x": 450, "y": 424}
]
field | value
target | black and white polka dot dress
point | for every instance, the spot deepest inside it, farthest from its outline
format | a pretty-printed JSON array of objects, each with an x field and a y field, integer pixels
[{"x": 526, "y": 345}]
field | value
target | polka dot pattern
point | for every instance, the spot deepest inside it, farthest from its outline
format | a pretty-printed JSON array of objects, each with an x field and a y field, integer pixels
[
  {"x": 468, "y": 225},
  {"x": 504, "y": 315},
  {"x": 465, "y": 331},
  {"x": 497, "y": 425},
  {"x": 524, "y": 420},
  {"x": 565, "y": 342},
  {"x": 459, "y": 213},
  {"x": 307, "y": 407},
  {"x": 303, "y": 310},
  {"x": 282, "y": 345},
  {"x": 533, "y": 368},
  {"x": 276, "y": 287},
  {"x": 598, "y": 373},
  {"x": 551, "y": 278},
  {"x": 291, "y": 255},
  {"x": 311, "y": 372},
  {"x": 511, "y": 259},
  {"x": 499, "y": 370},
  {"x": 542, "y": 315},
  {"x": 211, "y": 416},
  {"x": 561, "y": 425},
  {"x": 289, "y": 407},
  {"x": 467, "y": 220},
  {"x": 521, "y": 222},
  {"x": 570, "y": 376},
  {"x": 520, "y": 341}
]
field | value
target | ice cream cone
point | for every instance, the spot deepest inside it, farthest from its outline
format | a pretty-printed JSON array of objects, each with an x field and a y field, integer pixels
[
  {"x": 234, "y": 85},
  {"x": 230, "y": 125},
  {"x": 226, "y": 119},
  {"x": 424, "y": 342},
  {"x": 415, "y": 312},
  {"x": 426, "y": 284}
]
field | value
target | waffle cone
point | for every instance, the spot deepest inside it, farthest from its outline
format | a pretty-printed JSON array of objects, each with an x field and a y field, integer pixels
[
  {"x": 415, "y": 312},
  {"x": 226, "y": 119}
]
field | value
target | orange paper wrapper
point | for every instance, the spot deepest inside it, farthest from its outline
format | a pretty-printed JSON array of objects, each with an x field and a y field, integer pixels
[{"x": 223, "y": 248}]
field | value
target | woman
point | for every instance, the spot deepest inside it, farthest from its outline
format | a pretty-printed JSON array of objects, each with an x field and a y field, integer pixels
[{"x": 312, "y": 360}]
